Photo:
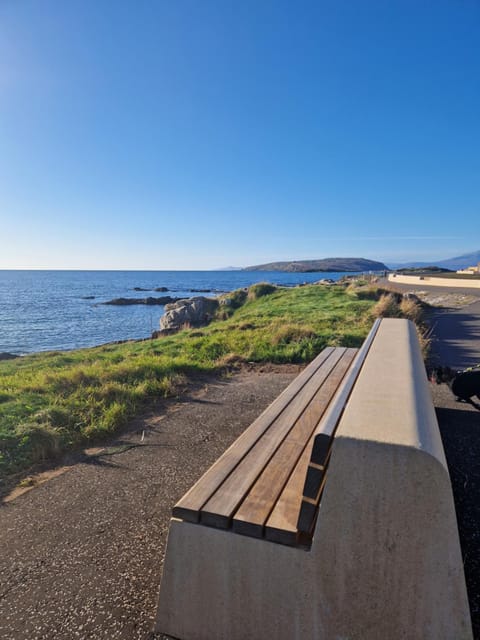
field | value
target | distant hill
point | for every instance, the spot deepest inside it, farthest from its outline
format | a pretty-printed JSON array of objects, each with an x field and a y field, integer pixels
[
  {"x": 228, "y": 269},
  {"x": 325, "y": 265},
  {"x": 460, "y": 262}
]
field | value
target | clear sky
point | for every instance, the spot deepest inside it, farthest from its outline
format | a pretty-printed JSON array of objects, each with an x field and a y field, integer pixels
[{"x": 199, "y": 134}]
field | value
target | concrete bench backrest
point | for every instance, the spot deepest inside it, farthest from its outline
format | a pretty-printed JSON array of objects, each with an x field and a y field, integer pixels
[{"x": 387, "y": 515}]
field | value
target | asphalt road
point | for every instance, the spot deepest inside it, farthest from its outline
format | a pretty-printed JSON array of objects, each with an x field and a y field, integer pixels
[
  {"x": 455, "y": 331},
  {"x": 456, "y": 336}
]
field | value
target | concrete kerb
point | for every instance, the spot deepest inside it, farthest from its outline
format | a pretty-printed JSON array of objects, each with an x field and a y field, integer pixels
[
  {"x": 434, "y": 281},
  {"x": 385, "y": 559}
]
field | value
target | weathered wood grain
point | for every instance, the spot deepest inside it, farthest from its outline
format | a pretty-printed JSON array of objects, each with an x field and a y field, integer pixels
[
  {"x": 188, "y": 508},
  {"x": 258, "y": 504},
  {"x": 222, "y": 505}
]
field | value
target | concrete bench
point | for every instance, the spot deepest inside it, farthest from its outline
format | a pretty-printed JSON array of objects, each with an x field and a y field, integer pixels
[{"x": 331, "y": 516}]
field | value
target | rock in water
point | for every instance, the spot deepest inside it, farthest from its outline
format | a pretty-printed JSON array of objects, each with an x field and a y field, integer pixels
[
  {"x": 194, "y": 312},
  {"x": 4, "y": 355},
  {"x": 164, "y": 300}
]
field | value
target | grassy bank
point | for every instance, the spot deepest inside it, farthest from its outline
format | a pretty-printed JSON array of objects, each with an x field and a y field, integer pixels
[{"x": 52, "y": 402}]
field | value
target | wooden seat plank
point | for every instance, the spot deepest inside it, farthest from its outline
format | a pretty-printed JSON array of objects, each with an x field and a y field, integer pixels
[
  {"x": 188, "y": 508},
  {"x": 252, "y": 513},
  {"x": 255, "y": 509},
  {"x": 281, "y": 526},
  {"x": 315, "y": 476},
  {"x": 221, "y": 506}
]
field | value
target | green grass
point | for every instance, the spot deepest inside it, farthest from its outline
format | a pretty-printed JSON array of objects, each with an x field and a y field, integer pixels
[{"x": 54, "y": 401}]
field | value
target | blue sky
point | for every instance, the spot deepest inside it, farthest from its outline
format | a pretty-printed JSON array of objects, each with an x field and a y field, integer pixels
[{"x": 198, "y": 134}]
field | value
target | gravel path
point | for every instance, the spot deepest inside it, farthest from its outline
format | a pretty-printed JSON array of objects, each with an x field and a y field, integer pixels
[{"x": 82, "y": 554}]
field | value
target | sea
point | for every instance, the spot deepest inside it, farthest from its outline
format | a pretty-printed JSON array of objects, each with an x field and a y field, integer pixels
[{"x": 62, "y": 310}]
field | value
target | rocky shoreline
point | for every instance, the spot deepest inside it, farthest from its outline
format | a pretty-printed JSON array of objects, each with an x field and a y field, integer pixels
[
  {"x": 162, "y": 300},
  {"x": 192, "y": 312}
]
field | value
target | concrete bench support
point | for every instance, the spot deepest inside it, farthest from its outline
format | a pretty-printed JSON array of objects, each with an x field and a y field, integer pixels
[{"x": 385, "y": 558}]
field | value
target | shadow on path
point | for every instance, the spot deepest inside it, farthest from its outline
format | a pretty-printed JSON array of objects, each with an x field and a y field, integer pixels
[
  {"x": 460, "y": 430},
  {"x": 456, "y": 336},
  {"x": 456, "y": 343}
]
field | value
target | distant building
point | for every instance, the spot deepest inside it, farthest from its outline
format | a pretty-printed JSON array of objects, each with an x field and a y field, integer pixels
[{"x": 471, "y": 271}]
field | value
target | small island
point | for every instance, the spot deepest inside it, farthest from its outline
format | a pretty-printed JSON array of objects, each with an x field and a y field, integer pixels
[{"x": 326, "y": 265}]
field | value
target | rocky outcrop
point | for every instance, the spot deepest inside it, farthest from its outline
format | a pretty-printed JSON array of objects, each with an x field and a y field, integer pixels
[
  {"x": 163, "y": 300},
  {"x": 194, "y": 312},
  {"x": 4, "y": 355}
]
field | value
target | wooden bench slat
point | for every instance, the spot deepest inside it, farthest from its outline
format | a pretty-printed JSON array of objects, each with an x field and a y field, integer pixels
[
  {"x": 252, "y": 513},
  {"x": 188, "y": 508},
  {"x": 222, "y": 505},
  {"x": 315, "y": 476},
  {"x": 309, "y": 509},
  {"x": 251, "y": 516},
  {"x": 281, "y": 526}
]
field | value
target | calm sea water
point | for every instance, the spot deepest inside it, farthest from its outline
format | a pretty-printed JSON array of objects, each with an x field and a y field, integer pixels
[{"x": 47, "y": 310}]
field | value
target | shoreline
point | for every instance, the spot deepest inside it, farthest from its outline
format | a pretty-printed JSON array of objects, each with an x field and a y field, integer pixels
[
  {"x": 391, "y": 279},
  {"x": 60, "y": 311},
  {"x": 53, "y": 400}
]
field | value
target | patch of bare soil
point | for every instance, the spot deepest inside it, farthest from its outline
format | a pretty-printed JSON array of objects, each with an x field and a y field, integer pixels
[{"x": 82, "y": 553}]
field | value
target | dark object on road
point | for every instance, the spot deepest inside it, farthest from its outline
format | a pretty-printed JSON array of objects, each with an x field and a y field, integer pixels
[{"x": 464, "y": 384}]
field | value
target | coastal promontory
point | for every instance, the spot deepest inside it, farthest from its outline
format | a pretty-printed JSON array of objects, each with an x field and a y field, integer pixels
[{"x": 324, "y": 264}]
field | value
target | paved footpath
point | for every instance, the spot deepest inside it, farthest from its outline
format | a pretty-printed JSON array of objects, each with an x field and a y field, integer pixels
[
  {"x": 456, "y": 343},
  {"x": 456, "y": 338}
]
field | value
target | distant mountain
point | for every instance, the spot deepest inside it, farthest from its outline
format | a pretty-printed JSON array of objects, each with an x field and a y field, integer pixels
[
  {"x": 325, "y": 265},
  {"x": 228, "y": 269},
  {"x": 460, "y": 262}
]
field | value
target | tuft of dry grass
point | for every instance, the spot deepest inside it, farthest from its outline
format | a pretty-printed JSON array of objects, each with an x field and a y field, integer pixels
[
  {"x": 261, "y": 289},
  {"x": 230, "y": 360},
  {"x": 424, "y": 334},
  {"x": 393, "y": 305},
  {"x": 387, "y": 307},
  {"x": 411, "y": 309}
]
